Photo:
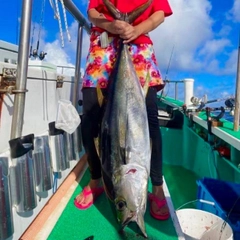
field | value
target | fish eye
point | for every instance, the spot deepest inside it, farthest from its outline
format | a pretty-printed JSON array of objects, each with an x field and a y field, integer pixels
[{"x": 121, "y": 205}]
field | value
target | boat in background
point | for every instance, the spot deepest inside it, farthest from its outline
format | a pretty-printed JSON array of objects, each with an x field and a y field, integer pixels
[{"x": 36, "y": 158}]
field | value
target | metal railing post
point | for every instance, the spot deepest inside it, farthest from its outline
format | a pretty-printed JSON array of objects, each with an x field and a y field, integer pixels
[
  {"x": 77, "y": 66},
  {"x": 21, "y": 82},
  {"x": 76, "y": 135},
  {"x": 176, "y": 90},
  {"x": 237, "y": 93}
]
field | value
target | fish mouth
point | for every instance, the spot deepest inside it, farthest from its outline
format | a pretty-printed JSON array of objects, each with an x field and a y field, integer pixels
[
  {"x": 135, "y": 218},
  {"x": 128, "y": 220}
]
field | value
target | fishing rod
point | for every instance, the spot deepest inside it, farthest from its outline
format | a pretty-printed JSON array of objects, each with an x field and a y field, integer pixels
[
  {"x": 229, "y": 102},
  {"x": 169, "y": 62},
  {"x": 34, "y": 53},
  {"x": 168, "y": 67},
  {"x": 196, "y": 101}
]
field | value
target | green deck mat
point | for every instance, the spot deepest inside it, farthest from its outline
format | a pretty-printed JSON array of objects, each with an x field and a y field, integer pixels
[{"x": 99, "y": 221}]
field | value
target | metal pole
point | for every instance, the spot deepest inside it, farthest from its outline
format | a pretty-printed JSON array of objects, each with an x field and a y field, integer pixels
[
  {"x": 77, "y": 135},
  {"x": 77, "y": 66},
  {"x": 176, "y": 91},
  {"x": 22, "y": 68},
  {"x": 77, "y": 14},
  {"x": 237, "y": 93}
]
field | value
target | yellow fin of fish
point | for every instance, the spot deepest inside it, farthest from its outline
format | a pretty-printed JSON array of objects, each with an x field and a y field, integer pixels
[
  {"x": 100, "y": 96},
  {"x": 146, "y": 84},
  {"x": 96, "y": 143}
]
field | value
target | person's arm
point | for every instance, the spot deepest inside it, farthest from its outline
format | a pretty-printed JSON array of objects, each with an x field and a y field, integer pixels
[
  {"x": 151, "y": 23},
  {"x": 124, "y": 29},
  {"x": 99, "y": 20}
]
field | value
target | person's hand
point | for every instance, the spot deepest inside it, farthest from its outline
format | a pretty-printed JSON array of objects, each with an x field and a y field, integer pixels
[
  {"x": 118, "y": 26},
  {"x": 125, "y": 30},
  {"x": 129, "y": 34}
]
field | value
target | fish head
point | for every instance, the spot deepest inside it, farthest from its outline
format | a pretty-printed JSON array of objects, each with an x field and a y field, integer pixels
[{"x": 131, "y": 182}]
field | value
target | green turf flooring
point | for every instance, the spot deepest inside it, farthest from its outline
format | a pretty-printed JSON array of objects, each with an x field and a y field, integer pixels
[{"x": 99, "y": 221}]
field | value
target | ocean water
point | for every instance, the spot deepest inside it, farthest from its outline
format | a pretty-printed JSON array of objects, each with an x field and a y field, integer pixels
[{"x": 228, "y": 117}]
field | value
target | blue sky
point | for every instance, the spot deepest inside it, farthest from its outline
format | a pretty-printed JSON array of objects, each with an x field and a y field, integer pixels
[{"x": 203, "y": 35}]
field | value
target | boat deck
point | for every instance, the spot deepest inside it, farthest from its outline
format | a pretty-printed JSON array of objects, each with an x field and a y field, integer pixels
[
  {"x": 100, "y": 222},
  {"x": 67, "y": 222}
]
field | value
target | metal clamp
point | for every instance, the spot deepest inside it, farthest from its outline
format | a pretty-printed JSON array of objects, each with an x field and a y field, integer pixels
[
  {"x": 8, "y": 82},
  {"x": 12, "y": 90},
  {"x": 9, "y": 73},
  {"x": 59, "y": 82}
]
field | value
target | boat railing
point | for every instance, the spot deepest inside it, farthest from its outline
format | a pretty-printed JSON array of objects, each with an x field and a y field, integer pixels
[
  {"x": 176, "y": 86},
  {"x": 188, "y": 87},
  {"x": 62, "y": 68}
]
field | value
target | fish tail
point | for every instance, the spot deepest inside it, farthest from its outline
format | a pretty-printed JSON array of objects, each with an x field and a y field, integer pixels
[{"x": 133, "y": 15}]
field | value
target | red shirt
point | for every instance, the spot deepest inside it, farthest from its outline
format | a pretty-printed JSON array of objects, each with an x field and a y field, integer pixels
[{"x": 127, "y": 6}]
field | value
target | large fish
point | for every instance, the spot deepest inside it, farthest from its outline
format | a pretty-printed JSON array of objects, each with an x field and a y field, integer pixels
[{"x": 124, "y": 148}]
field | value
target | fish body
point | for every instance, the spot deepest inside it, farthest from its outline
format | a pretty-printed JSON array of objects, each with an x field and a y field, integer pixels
[
  {"x": 124, "y": 146},
  {"x": 125, "y": 143}
]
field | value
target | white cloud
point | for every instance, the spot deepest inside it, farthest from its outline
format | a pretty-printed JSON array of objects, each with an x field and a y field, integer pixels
[
  {"x": 187, "y": 29},
  {"x": 213, "y": 47},
  {"x": 236, "y": 10},
  {"x": 225, "y": 31},
  {"x": 190, "y": 32},
  {"x": 231, "y": 66}
]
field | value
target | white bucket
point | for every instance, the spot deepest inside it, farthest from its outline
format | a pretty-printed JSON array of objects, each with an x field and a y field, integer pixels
[{"x": 201, "y": 225}]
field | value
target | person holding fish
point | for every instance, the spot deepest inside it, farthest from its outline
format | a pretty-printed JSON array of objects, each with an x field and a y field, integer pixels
[{"x": 114, "y": 21}]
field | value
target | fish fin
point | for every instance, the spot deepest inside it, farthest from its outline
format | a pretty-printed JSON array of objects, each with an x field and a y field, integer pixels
[
  {"x": 122, "y": 128},
  {"x": 146, "y": 84},
  {"x": 141, "y": 225},
  {"x": 123, "y": 154},
  {"x": 100, "y": 96},
  {"x": 151, "y": 144},
  {"x": 96, "y": 143}
]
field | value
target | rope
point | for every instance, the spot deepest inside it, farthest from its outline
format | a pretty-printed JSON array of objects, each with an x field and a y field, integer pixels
[
  {"x": 33, "y": 31},
  {"x": 59, "y": 22},
  {"x": 65, "y": 20},
  {"x": 41, "y": 19},
  {"x": 54, "y": 9},
  {"x": 57, "y": 16}
]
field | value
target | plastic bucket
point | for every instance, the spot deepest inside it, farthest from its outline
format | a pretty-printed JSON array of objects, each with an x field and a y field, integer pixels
[{"x": 201, "y": 225}]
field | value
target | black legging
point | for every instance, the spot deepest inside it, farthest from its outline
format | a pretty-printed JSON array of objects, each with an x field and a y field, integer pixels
[{"x": 90, "y": 126}]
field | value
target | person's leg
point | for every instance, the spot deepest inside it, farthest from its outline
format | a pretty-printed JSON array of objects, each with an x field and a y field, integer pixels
[
  {"x": 156, "y": 157},
  {"x": 90, "y": 121}
]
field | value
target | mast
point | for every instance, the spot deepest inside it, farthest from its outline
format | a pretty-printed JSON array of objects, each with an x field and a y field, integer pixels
[
  {"x": 21, "y": 77},
  {"x": 237, "y": 93}
]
